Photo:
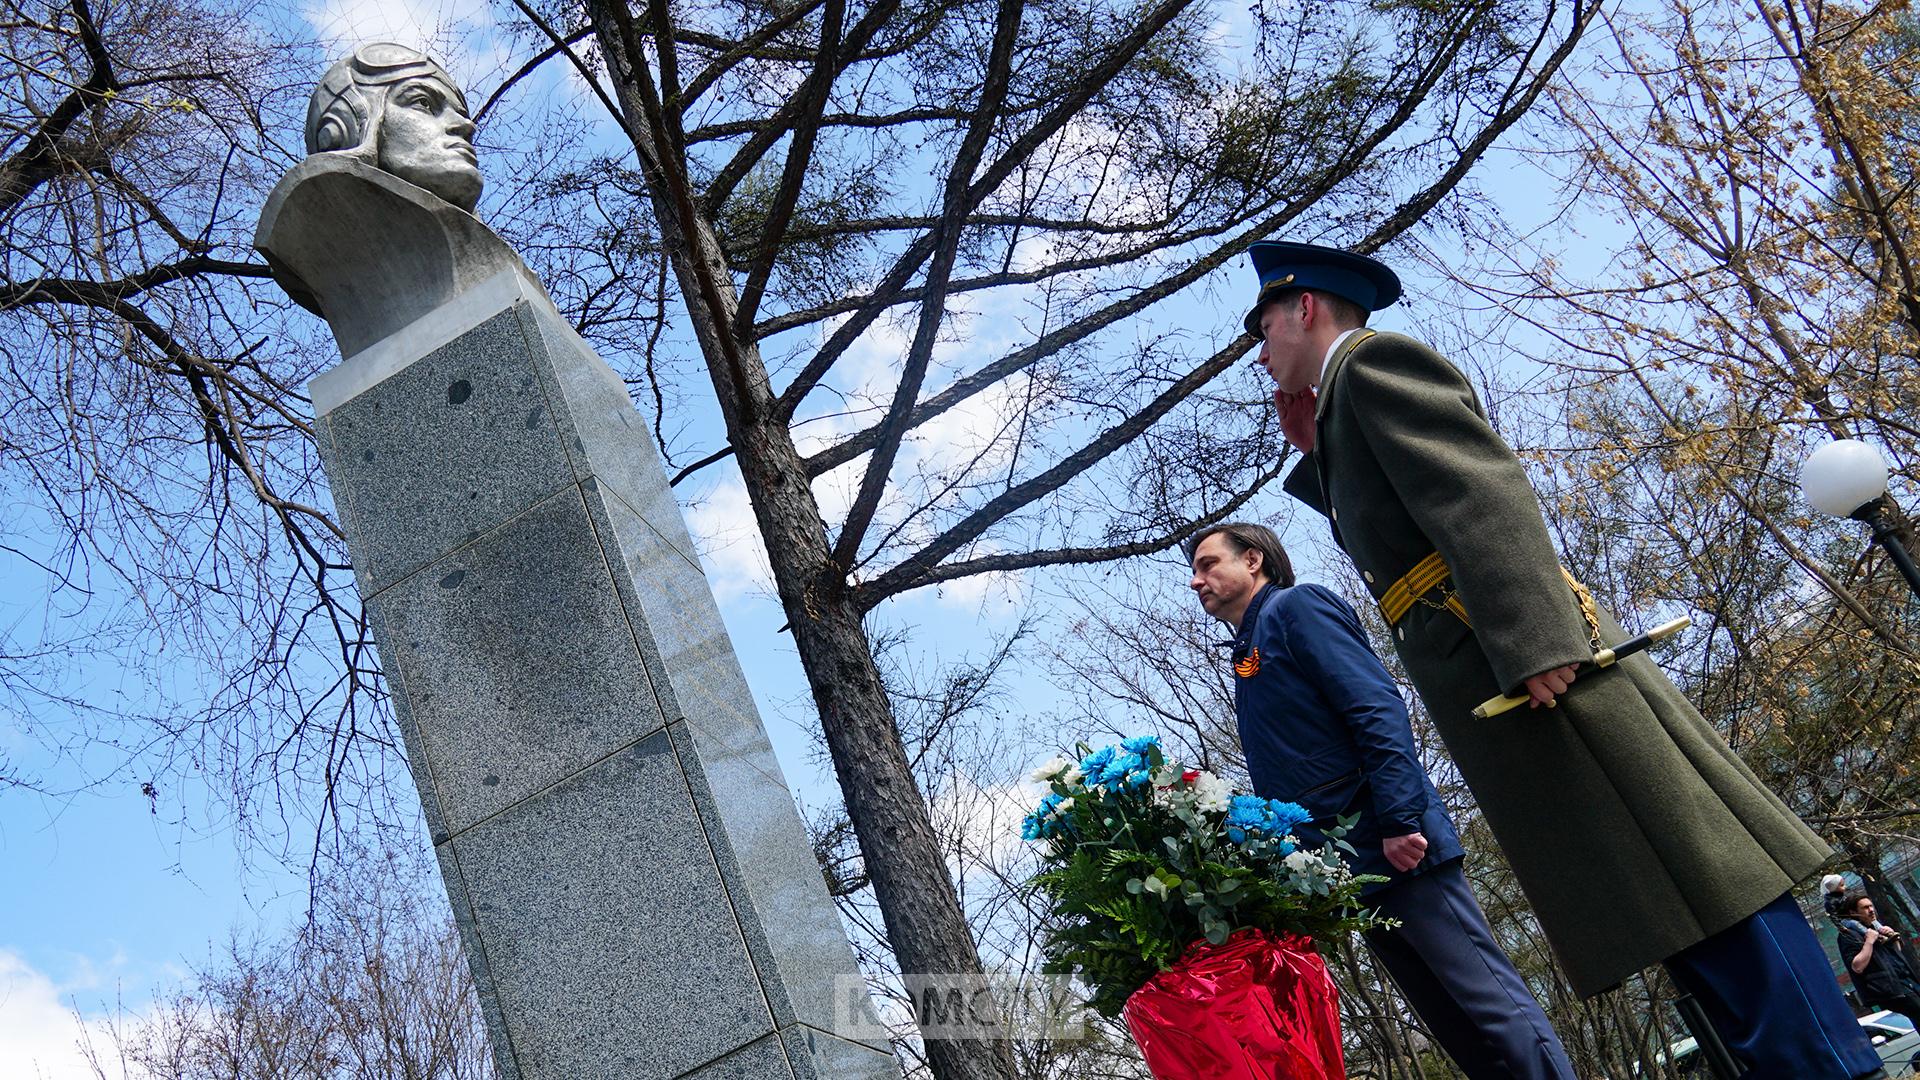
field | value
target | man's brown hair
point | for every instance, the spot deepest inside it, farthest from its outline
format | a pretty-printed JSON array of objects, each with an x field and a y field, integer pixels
[
  {"x": 1246, "y": 536},
  {"x": 1850, "y": 903},
  {"x": 1344, "y": 311}
]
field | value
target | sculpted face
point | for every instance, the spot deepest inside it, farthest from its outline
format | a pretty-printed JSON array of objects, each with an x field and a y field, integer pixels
[
  {"x": 426, "y": 139},
  {"x": 395, "y": 109}
]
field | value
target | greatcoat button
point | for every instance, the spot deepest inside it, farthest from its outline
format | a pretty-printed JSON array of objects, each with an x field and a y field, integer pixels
[
  {"x": 1403, "y": 632},
  {"x": 1368, "y": 574}
]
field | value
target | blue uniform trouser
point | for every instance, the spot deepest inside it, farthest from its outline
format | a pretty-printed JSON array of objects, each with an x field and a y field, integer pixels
[
  {"x": 1457, "y": 978},
  {"x": 1767, "y": 988}
]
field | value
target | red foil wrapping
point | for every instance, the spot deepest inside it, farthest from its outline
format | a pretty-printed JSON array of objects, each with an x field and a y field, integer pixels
[{"x": 1257, "y": 1007}]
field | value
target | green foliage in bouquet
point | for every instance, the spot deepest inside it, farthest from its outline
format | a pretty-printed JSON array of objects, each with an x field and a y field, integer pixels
[{"x": 1141, "y": 859}]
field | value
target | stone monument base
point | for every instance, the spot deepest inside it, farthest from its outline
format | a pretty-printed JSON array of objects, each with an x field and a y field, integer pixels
[{"x": 636, "y": 893}]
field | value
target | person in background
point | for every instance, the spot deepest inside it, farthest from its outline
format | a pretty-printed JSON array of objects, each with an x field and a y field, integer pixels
[
  {"x": 1833, "y": 890},
  {"x": 1880, "y": 975}
]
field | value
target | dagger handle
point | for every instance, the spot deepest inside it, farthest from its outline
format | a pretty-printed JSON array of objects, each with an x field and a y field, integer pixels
[{"x": 1605, "y": 658}]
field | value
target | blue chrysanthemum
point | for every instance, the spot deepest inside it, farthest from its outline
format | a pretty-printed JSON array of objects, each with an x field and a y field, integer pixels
[
  {"x": 1250, "y": 814},
  {"x": 1042, "y": 822},
  {"x": 1094, "y": 766},
  {"x": 1285, "y": 815}
]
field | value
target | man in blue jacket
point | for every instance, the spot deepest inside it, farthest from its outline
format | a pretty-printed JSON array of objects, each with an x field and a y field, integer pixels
[{"x": 1323, "y": 725}]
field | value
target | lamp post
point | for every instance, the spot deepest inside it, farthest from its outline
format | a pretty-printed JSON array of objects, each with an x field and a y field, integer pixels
[{"x": 1847, "y": 478}]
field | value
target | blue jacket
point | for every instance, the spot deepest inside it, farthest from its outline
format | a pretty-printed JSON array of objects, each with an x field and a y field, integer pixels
[{"x": 1324, "y": 726}]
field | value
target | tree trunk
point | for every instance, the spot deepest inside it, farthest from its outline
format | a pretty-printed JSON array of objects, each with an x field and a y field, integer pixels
[{"x": 926, "y": 927}]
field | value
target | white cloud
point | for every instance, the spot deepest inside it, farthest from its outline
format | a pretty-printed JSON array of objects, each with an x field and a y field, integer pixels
[
  {"x": 986, "y": 818},
  {"x": 419, "y": 23},
  {"x": 728, "y": 537},
  {"x": 40, "y": 1036},
  {"x": 458, "y": 33}
]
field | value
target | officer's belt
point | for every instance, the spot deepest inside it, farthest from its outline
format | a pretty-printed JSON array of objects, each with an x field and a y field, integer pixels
[
  {"x": 1427, "y": 575},
  {"x": 1431, "y": 573}
]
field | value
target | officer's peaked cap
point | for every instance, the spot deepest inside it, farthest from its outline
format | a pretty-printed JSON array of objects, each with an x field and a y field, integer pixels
[{"x": 1283, "y": 265}]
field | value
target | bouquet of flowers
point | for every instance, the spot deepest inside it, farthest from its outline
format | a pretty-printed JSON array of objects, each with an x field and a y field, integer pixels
[{"x": 1192, "y": 910}]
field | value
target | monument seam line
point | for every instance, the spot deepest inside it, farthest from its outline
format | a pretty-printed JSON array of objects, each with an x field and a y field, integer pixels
[
  {"x": 453, "y": 834},
  {"x": 484, "y": 987},
  {"x": 398, "y": 682},
  {"x": 679, "y": 620},
  {"x": 671, "y": 708},
  {"x": 538, "y": 501},
  {"x": 682, "y": 622},
  {"x": 613, "y": 579},
  {"x": 689, "y": 559},
  {"x": 733, "y": 908},
  {"x": 778, "y": 1042}
]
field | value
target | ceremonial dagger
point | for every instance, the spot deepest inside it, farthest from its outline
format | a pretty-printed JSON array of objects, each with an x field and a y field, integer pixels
[{"x": 1605, "y": 658}]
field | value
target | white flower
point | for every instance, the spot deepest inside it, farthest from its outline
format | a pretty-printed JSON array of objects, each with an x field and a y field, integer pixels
[
  {"x": 1052, "y": 770},
  {"x": 1060, "y": 808},
  {"x": 1072, "y": 776},
  {"x": 1211, "y": 795},
  {"x": 1304, "y": 862}
]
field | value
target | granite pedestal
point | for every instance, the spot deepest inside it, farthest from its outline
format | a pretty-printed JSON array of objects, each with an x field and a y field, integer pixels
[{"x": 636, "y": 893}]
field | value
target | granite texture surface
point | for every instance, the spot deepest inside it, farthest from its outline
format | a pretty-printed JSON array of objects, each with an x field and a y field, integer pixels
[
  {"x": 516, "y": 661},
  {"x": 448, "y": 448},
  {"x": 605, "y": 437},
  {"x": 609, "y": 939}
]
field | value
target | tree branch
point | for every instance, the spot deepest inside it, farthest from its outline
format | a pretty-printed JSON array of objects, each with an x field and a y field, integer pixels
[
  {"x": 104, "y": 293},
  {"x": 974, "y": 525},
  {"x": 734, "y": 52},
  {"x": 39, "y": 160},
  {"x": 1018, "y": 151},
  {"x": 813, "y": 98},
  {"x": 559, "y": 46},
  {"x": 720, "y": 189},
  {"x": 1022, "y": 560},
  {"x": 933, "y": 308}
]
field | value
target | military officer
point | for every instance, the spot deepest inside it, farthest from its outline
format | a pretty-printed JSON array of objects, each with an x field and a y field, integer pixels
[
  {"x": 1323, "y": 725},
  {"x": 1637, "y": 835}
]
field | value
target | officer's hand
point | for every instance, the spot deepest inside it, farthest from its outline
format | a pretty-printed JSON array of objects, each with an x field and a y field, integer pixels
[
  {"x": 1548, "y": 685},
  {"x": 1296, "y": 416},
  {"x": 1405, "y": 852}
]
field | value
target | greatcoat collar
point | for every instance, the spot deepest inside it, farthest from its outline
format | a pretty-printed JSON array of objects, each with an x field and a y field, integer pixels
[{"x": 1333, "y": 371}]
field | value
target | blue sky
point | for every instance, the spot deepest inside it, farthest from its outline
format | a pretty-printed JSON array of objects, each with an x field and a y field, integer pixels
[{"x": 107, "y": 900}]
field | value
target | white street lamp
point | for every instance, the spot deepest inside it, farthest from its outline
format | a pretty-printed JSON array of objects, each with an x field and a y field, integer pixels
[{"x": 1847, "y": 478}]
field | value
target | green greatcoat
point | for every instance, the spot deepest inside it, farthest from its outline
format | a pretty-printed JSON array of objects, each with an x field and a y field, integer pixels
[{"x": 1633, "y": 829}]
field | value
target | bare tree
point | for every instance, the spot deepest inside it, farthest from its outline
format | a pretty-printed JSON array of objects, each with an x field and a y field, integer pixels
[
  {"x": 1102, "y": 135},
  {"x": 374, "y": 987}
]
